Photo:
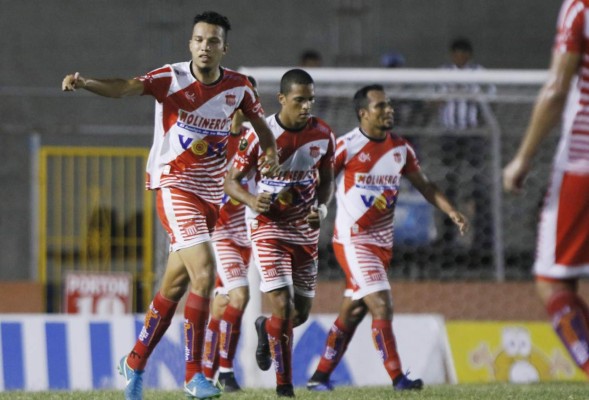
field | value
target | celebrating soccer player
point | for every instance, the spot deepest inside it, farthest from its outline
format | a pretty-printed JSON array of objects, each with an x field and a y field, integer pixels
[
  {"x": 369, "y": 163},
  {"x": 195, "y": 103},
  {"x": 284, "y": 217}
]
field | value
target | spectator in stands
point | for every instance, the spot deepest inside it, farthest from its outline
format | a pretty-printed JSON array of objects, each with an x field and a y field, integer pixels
[
  {"x": 562, "y": 256},
  {"x": 370, "y": 161},
  {"x": 310, "y": 59},
  {"x": 464, "y": 149}
]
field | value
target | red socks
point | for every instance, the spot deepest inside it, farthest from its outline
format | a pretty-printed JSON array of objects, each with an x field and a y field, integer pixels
[
  {"x": 229, "y": 332},
  {"x": 196, "y": 315},
  {"x": 280, "y": 337},
  {"x": 385, "y": 344},
  {"x": 157, "y": 320},
  {"x": 210, "y": 359},
  {"x": 336, "y": 344},
  {"x": 570, "y": 320}
]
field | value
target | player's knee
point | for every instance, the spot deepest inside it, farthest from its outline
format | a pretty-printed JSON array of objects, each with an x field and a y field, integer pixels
[{"x": 239, "y": 298}]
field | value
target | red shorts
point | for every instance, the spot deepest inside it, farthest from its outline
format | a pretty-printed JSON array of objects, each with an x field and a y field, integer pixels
[
  {"x": 365, "y": 266},
  {"x": 563, "y": 234},
  {"x": 283, "y": 264},
  {"x": 188, "y": 219},
  {"x": 232, "y": 265}
]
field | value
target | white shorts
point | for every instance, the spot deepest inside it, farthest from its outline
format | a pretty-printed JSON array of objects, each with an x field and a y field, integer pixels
[
  {"x": 365, "y": 266},
  {"x": 283, "y": 264},
  {"x": 232, "y": 265},
  {"x": 563, "y": 232},
  {"x": 188, "y": 219}
]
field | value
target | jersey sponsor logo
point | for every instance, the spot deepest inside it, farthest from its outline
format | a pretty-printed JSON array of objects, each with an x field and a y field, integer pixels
[
  {"x": 364, "y": 157},
  {"x": 381, "y": 202},
  {"x": 314, "y": 151},
  {"x": 230, "y": 99},
  {"x": 200, "y": 147},
  {"x": 376, "y": 182},
  {"x": 195, "y": 123}
]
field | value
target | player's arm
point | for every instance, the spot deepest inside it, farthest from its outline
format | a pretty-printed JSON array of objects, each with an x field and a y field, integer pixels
[
  {"x": 434, "y": 195},
  {"x": 104, "y": 87},
  {"x": 546, "y": 114},
  {"x": 324, "y": 194},
  {"x": 270, "y": 167},
  {"x": 233, "y": 188}
]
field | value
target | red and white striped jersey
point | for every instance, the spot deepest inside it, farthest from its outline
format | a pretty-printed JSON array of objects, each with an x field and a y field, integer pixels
[
  {"x": 301, "y": 155},
  {"x": 573, "y": 36},
  {"x": 192, "y": 124},
  {"x": 367, "y": 175},
  {"x": 231, "y": 223}
]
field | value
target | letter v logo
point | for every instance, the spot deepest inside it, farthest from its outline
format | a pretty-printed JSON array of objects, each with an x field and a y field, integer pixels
[
  {"x": 184, "y": 141},
  {"x": 368, "y": 200}
]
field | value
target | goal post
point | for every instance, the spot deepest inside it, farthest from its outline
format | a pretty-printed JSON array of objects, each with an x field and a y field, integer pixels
[{"x": 465, "y": 162}]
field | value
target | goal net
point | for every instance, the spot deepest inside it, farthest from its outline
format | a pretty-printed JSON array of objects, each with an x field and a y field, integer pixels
[{"x": 464, "y": 125}]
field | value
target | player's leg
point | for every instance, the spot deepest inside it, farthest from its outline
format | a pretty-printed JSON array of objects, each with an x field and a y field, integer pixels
[
  {"x": 340, "y": 334},
  {"x": 562, "y": 258},
  {"x": 274, "y": 263},
  {"x": 232, "y": 268},
  {"x": 189, "y": 221},
  {"x": 211, "y": 346},
  {"x": 157, "y": 320}
]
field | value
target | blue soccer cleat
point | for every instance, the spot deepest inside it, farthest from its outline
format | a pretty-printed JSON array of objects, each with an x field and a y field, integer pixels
[
  {"x": 404, "y": 383},
  {"x": 133, "y": 380},
  {"x": 200, "y": 387},
  {"x": 319, "y": 386}
]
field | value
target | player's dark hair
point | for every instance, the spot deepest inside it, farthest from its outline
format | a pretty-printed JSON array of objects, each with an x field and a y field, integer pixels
[
  {"x": 292, "y": 77},
  {"x": 361, "y": 97},
  {"x": 461, "y": 44},
  {"x": 214, "y": 18},
  {"x": 252, "y": 81}
]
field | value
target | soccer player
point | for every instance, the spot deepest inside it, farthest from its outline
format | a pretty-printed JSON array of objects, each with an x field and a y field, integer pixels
[
  {"x": 232, "y": 250},
  {"x": 195, "y": 102},
  {"x": 562, "y": 255},
  {"x": 369, "y": 163},
  {"x": 284, "y": 217}
]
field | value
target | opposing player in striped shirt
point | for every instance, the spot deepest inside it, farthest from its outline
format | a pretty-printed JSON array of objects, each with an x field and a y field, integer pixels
[
  {"x": 195, "y": 103},
  {"x": 369, "y": 163},
  {"x": 562, "y": 256},
  {"x": 232, "y": 251},
  {"x": 284, "y": 217}
]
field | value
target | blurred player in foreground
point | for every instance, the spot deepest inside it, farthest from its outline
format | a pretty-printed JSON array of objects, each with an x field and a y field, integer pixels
[
  {"x": 195, "y": 102},
  {"x": 232, "y": 252},
  {"x": 284, "y": 218},
  {"x": 562, "y": 255},
  {"x": 369, "y": 163}
]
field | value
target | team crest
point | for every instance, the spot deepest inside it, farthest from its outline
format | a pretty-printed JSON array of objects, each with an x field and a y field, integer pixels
[
  {"x": 230, "y": 99},
  {"x": 397, "y": 157},
  {"x": 314, "y": 151},
  {"x": 242, "y": 144}
]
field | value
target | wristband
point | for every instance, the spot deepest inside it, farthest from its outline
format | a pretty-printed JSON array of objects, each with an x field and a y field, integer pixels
[{"x": 322, "y": 211}]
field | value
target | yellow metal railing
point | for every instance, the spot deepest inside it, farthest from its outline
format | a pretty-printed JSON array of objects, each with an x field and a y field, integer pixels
[{"x": 94, "y": 215}]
